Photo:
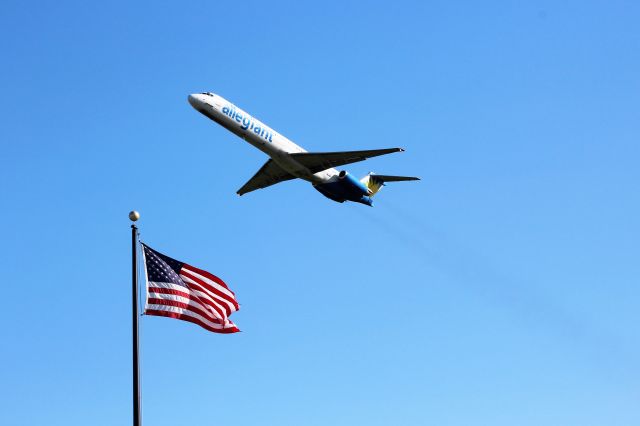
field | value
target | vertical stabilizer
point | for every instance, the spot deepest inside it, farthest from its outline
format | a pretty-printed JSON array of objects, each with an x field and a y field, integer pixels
[{"x": 372, "y": 183}]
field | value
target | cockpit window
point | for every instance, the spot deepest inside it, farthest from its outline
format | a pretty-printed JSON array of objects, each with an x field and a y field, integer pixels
[{"x": 207, "y": 93}]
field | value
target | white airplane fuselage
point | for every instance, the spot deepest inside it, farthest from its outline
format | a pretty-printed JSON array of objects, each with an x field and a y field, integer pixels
[{"x": 258, "y": 134}]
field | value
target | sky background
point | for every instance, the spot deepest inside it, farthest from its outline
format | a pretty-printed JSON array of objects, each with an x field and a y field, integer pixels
[{"x": 502, "y": 289}]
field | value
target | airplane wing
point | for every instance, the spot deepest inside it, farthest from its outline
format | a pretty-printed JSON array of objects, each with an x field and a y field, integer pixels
[
  {"x": 319, "y": 161},
  {"x": 268, "y": 175}
]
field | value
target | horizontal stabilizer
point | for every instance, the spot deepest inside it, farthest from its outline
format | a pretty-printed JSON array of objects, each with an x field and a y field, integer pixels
[
  {"x": 319, "y": 161},
  {"x": 374, "y": 182},
  {"x": 388, "y": 178}
]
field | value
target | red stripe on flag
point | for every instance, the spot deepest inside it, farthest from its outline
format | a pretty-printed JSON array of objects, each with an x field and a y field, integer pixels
[
  {"x": 191, "y": 282},
  {"x": 227, "y": 330},
  {"x": 202, "y": 300},
  {"x": 211, "y": 289},
  {"x": 222, "y": 290},
  {"x": 208, "y": 275},
  {"x": 185, "y": 306},
  {"x": 163, "y": 290}
]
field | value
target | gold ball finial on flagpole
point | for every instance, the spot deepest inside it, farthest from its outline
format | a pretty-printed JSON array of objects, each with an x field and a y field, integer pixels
[{"x": 134, "y": 215}]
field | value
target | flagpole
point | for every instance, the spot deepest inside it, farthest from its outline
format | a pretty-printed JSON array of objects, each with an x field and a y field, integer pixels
[{"x": 134, "y": 216}]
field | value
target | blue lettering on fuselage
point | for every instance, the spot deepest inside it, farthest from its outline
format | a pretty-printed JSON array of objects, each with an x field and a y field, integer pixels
[{"x": 248, "y": 123}]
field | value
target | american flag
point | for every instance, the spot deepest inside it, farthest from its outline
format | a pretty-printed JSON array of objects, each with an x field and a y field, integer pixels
[{"x": 178, "y": 290}]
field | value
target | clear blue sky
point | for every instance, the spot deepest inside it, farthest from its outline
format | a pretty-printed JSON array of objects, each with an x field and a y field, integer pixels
[{"x": 502, "y": 289}]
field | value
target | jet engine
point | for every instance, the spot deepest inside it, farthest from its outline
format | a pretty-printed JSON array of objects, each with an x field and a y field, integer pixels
[{"x": 352, "y": 184}]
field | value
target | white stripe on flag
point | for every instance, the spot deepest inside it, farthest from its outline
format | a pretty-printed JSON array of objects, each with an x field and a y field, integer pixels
[
  {"x": 219, "y": 299},
  {"x": 188, "y": 301},
  {"x": 202, "y": 297},
  {"x": 192, "y": 315},
  {"x": 212, "y": 283}
]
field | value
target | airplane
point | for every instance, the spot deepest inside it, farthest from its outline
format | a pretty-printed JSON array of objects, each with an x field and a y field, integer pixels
[{"x": 289, "y": 161}]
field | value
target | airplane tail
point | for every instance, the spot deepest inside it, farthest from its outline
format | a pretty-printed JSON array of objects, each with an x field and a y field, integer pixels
[{"x": 375, "y": 182}]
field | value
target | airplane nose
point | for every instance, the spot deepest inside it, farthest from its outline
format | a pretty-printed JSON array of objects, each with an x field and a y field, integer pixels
[{"x": 192, "y": 100}]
